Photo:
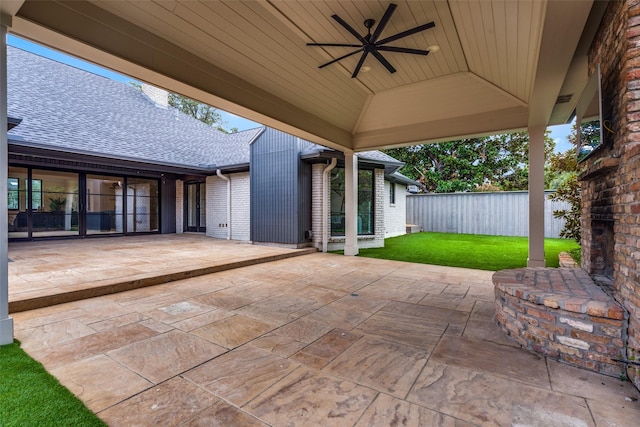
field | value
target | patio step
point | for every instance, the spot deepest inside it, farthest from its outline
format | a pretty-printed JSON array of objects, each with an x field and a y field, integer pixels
[{"x": 135, "y": 281}]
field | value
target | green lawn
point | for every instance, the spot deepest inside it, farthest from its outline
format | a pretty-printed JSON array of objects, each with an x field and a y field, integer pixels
[
  {"x": 466, "y": 250},
  {"x": 30, "y": 396}
]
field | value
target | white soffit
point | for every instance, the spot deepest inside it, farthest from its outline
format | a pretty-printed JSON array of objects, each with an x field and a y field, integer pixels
[{"x": 457, "y": 95}]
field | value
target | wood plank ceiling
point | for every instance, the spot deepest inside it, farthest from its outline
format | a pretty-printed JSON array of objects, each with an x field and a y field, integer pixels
[{"x": 481, "y": 80}]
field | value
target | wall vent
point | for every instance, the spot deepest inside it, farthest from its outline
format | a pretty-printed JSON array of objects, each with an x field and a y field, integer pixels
[{"x": 563, "y": 99}]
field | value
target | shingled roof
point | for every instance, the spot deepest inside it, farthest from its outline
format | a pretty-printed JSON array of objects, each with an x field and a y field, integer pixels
[{"x": 72, "y": 110}]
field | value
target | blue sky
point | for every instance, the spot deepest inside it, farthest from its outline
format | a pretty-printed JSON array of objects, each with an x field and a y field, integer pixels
[{"x": 558, "y": 133}]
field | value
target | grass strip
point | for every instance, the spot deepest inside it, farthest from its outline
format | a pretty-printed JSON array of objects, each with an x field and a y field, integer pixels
[
  {"x": 466, "y": 250},
  {"x": 30, "y": 396}
]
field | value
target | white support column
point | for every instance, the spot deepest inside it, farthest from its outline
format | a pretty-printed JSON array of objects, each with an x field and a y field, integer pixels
[
  {"x": 536, "y": 196},
  {"x": 6, "y": 322},
  {"x": 351, "y": 203}
]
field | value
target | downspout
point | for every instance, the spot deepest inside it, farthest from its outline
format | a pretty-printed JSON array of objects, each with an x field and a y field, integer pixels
[
  {"x": 325, "y": 213},
  {"x": 226, "y": 178}
]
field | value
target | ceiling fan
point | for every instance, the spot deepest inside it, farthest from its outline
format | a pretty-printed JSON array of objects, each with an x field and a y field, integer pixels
[{"x": 370, "y": 43}]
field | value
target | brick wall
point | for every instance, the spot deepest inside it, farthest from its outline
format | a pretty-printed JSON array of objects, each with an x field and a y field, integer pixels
[
  {"x": 316, "y": 204},
  {"x": 217, "y": 222},
  {"x": 240, "y": 206},
  {"x": 395, "y": 215},
  {"x": 179, "y": 206},
  {"x": 611, "y": 211}
]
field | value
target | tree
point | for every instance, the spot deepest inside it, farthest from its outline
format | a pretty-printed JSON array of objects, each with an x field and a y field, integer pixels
[
  {"x": 203, "y": 112},
  {"x": 499, "y": 161},
  {"x": 562, "y": 171}
]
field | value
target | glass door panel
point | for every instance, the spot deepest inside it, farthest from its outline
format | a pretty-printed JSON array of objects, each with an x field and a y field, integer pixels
[
  {"x": 54, "y": 203},
  {"x": 105, "y": 197},
  {"x": 142, "y": 205},
  {"x": 195, "y": 207},
  {"x": 17, "y": 202}
]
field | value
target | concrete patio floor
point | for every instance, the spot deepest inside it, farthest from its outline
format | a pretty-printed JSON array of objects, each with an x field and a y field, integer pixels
[
  {"x": 49, "y": 272},
  {"x": 318, "y": 339}
]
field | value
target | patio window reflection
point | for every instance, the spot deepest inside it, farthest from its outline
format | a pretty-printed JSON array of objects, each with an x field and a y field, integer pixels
[{"x": 365, "y": 202}]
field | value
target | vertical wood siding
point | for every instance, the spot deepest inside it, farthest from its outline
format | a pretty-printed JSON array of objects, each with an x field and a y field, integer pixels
[{"x": 498, "y": 214}]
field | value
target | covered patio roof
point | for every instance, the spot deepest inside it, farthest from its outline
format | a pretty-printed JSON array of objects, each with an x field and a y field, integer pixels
[{"x": 502, "y": 65}]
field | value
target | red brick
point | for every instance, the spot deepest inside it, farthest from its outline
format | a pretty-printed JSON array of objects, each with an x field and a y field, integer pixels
[
  {"x": 541, "y": 314},
  {"x": 552, "y": 327},
  {"x": 585, "y": 336}
]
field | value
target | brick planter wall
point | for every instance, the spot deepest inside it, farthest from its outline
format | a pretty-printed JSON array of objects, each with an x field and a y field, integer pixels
[{"x": 561, "y": 314}]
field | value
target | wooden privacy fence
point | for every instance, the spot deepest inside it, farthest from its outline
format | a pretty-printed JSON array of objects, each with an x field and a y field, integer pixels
[{"x": 499, "y": 214}]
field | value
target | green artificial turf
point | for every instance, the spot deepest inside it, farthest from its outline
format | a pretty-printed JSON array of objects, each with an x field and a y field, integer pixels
[
  {"x": 30, "y": 396},
  {"x": 466, "y": 250}
]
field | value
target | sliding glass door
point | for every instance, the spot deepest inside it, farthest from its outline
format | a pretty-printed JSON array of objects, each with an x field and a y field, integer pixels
[{"x": 49, "y": 203}]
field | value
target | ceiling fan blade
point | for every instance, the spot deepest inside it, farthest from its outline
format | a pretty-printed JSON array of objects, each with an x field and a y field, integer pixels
[
  {"x": 349, "y": 28},
  {"x": 357, "y": 69},
  {"x": 383, "y": 61},
  {"x": 407, "y": 33},
  {"x": 383, "y": 22},
  {"x": 334, "y": 44},
  {"x": 403, "y": 50},
  {"x": 342, "y": 57}
]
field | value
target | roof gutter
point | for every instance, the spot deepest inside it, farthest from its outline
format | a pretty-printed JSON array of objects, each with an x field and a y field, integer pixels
[{"x": 325, "y": 204}]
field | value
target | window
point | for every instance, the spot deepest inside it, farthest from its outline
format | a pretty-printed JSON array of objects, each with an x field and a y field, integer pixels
[
  {"x": 366, "y": 210},
  {"x": 36, "y": 194},
  {"x": 392, "y": 193},
  {"x": 14, "y": 194}
]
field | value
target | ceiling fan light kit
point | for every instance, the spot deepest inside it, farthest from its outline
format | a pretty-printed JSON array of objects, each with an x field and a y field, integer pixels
[{"x": 370, "y": 43}]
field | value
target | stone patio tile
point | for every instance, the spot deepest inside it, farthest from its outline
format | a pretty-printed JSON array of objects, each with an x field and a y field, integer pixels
[
  {"x": 52, "y": 334},
  {"x": 195, "y": 286},
  {"x": 307, "y": 397},
  {"x": 233, "y": 331},
  {"x": 580, "y": 382},
  {"x": 164, "y": 356},
  {"x": 338, "y": 317},
  {"x": 45, "y": 316},
  {"x": 201, "y": 320},
  {"x": 115, "y": 322},
  {"x": 156, "y": 325},
  {"x": 278, "y": 344},
  {"x": 484, "y": 310},
  {"x": 152, "y": 301},
  {"x": 102, "y": 308},
  {"x": 100, "y": 382},
  {"x": 484, "y": 399},
  {"x": 178, "y": 311},
  {"x": 172, "y": 403},
  {"x": 304, "y": 329},
  {"x": 386, "y": 366},
  {"x": 91, "y": 345},
  {"x": 222, "y": 414},
  {"x": 326, "y": 348},
  {"x": 480, "y": 291},
  {"x": 241, "y": 374},
  {"x": 360, "y": 303},
  {"x": 277, "y": 308},
  {"x": 484, "y": 330},
  {"x": 222, "y": 299},
  {"x": 426, "y": 313},
  {"x": 505, "y": 361},
  {"x": 402, "y": 328},
  {"x": 403, "y": 295},
  {"x": 389, "y": 411},
  {"x": 455, "y": 290},
  {"x": 449, "y": 303},
  {"x": 614, "y": 412}
]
